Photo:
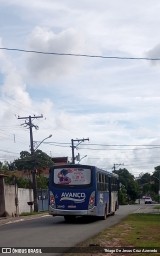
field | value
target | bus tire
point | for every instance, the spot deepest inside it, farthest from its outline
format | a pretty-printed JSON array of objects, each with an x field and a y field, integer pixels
[
  {"x": 104, "y": 217},
  {"x": 115, "y": 209}
]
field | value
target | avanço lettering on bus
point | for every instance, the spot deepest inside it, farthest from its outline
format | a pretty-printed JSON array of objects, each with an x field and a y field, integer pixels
[{"x": 75, "y": 197}]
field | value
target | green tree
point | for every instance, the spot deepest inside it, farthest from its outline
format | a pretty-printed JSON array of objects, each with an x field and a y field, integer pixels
[
  {"x": 1, "y": 164},
  {"x": 27, "y": 162},
  {"x": 144, "y": 182},
  {"x": 149, "y": 184},
  {"x": 39, "y": 160},
  {"x": 123, "y": 198},
  {"x": 129, "y": 183},
  {"x": 42, "y": 182},
  {"x": 4, "y": 167},
  {"x": 21, "y": 182},
  {"x": 156, "y": 182}
]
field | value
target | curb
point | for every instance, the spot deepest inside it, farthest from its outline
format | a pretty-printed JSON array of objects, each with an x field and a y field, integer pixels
[{"x": 9, "y": 220}]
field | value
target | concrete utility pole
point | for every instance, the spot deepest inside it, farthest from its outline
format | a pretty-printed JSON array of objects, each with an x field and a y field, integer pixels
[
  {"x": 114, "y": 166},
  {"x": 73, "y": 147},
  {"x": 34, "y": 181}
]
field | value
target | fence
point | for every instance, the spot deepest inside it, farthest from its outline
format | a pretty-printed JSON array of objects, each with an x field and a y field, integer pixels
[
  {"x": 42, "y": 199},
  {"x": 14, "y": 200}
]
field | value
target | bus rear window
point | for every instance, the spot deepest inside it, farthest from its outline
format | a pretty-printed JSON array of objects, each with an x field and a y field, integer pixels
[{"x": 72, "y": 176}]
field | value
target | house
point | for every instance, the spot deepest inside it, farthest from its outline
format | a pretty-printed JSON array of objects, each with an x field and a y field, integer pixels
[{"x": 60, "y": 160}]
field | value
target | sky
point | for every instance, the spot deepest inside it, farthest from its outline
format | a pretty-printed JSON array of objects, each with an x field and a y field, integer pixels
[{"x": 115, "y": 103}]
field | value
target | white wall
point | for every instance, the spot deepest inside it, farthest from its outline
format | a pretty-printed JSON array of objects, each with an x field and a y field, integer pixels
[
  {"x": 24, "y": 196},
  {"x": 9, "y": 195}
]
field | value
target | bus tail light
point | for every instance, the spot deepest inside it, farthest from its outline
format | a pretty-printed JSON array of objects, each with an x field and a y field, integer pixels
[
  {"x": 91, "y": 200},
  {"x": 52, "y": 199}
]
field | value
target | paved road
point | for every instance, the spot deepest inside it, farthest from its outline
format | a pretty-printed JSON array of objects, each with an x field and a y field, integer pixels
[{"x": 51, "y": 231}]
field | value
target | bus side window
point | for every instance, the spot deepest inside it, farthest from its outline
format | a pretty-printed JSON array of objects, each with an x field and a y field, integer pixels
[
  {"x": 103, "y": 182},
  {"x": 114, "y": 184},
  {"x": 117, "y": 185},
  {"x": 98, "y": 181},
  {"x": 106, "y": 183}
]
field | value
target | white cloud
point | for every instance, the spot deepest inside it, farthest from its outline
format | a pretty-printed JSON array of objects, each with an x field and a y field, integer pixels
[
  {"x": 110, "y": 101},
  {"x": 47, "y": 67},
  {"x": 154, "y": 53}
]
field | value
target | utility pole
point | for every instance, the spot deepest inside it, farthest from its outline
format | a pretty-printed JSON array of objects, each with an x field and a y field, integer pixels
[
  {"x": 114, "y": 166},
  {"x": 34, "y": 181},
  {"x": 73, "y": 147}
]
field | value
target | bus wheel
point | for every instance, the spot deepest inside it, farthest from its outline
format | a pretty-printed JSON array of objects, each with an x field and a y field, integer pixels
[
  {"x": 69, "y": 218},
  {"x": 113, "y": 213},
  {"x": 104, "y": 217}
]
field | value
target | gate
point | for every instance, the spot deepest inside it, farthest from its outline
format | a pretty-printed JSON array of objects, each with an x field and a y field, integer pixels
[{"x": 42, "y": 195}]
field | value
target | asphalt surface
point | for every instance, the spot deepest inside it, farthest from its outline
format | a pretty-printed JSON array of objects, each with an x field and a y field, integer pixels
[
  {"x": 48, "y": 230},
  {"x": 142, "y": 208}
]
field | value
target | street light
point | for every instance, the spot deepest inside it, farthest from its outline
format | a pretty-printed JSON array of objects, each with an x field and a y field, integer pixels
[
  {"x": 82, "y": 158},
  {"x": 42, "y": 142},
  {"x": 34, "y": 173}
]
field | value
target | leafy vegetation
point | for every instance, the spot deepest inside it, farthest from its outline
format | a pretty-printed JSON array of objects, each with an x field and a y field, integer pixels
[
  {"x": 39, "y": 161},
  {"x": 129, "y": 189},
  {"x": 27, "y": 163},
  {"x": 137, "y": 230}
]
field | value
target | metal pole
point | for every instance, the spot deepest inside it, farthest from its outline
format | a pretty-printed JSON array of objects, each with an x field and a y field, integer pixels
[
  {"x": 73, "y": 147},
  {"x": 73, "y": 158}
]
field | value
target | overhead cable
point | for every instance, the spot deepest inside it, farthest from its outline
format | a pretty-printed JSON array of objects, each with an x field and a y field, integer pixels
[{"x": 79, "y": 55}]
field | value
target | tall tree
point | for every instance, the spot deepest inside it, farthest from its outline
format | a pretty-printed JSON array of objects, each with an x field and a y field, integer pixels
[
  {"x": 39, "y": 161},
  {"x": 156, "y": 181},
  {"x": 144, "y": 182},
  {"x": 129, "y": 183}
]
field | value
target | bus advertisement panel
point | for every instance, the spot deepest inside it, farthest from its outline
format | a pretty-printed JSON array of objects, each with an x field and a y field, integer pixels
[{"x": 72, "y": 176}]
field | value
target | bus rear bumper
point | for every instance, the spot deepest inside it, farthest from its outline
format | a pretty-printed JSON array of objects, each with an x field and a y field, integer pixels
[{"x": 59, "y": 212}]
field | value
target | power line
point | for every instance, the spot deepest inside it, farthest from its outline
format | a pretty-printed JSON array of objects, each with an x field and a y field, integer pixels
[
  {"x": 120, "y": 149},
  {"x": 9, "y": 152},
  {"x": 107, "y": 145},
  {"x": 140, "y": 147},
  {"x": 80, "y": 55}
]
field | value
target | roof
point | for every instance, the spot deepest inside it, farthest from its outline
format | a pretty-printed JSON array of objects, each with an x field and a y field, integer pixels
[{"x": 60, "y": 160}]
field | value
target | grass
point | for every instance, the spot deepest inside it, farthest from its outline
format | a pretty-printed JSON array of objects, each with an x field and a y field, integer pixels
[
  {"x": 137, "y": 230},
  {"x": 157, "y": 207}
]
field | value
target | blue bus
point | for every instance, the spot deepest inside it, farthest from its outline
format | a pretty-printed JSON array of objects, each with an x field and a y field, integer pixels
[{"x": 82, "y": 190}]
